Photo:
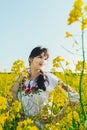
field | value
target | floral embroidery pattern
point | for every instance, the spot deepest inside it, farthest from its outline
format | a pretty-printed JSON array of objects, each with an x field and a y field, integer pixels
[
  {"x": 64, "y": 87},
  {"x": 67, "y": 88},
  {"x": 71, "y": 93},
  {"x": 27, "y": 90}
]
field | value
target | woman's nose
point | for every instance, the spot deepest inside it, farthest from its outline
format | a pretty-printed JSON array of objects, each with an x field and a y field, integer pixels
[{"x": 42, "y": 60}]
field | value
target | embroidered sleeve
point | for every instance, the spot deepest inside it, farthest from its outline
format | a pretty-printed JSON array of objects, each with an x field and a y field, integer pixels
[{"x": 71, "y": 93}]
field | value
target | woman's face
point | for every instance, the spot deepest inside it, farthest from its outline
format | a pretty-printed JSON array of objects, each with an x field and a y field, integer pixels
[{"x": 39, "y": 61}]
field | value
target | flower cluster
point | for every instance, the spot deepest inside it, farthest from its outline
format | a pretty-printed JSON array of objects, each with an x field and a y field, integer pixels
[
  {"x": 78, "y": 13},
  {"x": 27, "y": 124}
]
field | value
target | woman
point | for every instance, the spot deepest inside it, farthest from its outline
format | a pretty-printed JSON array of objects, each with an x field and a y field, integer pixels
[{"x": 34, "y": 92}]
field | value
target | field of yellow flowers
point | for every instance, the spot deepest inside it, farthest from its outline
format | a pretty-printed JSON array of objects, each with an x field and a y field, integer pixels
[{"x": 74, "y": 119}]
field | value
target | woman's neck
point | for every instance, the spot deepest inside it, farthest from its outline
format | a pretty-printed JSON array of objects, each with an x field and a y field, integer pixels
[{"x": 34, "y": 74}]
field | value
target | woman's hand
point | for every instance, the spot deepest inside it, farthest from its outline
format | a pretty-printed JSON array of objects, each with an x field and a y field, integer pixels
[
  {"x": 15, "y": 87},
  {"x": 14, "y": 90},
  {"x": 59, "y": 116},
  {"x": 62, "y": 113}
]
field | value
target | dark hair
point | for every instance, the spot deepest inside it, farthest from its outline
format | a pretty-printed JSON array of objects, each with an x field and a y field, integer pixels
[
  {"x": 41, "y": 81},
  {"x": 37, "y": 51},
  {"x": 41, "y": 78}
]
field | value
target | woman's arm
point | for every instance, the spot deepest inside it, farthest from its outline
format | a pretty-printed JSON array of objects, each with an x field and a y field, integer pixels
[
  {"x": 72, "y": 95},
  {"x": 73, "y": 101},
  {"x": 14, "y": 90},
  {"x": 63, "y": 112},
  {"x": 15, "y": 87}
]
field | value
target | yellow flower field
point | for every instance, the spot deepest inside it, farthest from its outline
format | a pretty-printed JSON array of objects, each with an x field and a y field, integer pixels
[{"x": 73, "y": 119}]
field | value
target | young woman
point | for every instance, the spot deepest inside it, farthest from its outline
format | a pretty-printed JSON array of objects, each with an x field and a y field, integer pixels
[{"x": 35, "y": 90}]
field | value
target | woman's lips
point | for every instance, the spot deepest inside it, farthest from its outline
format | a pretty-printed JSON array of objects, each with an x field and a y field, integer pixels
[{"x": 41, "y": 64}]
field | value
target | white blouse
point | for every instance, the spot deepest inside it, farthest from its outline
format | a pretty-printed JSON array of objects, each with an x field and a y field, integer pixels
[{"x": 33, "y": 101}]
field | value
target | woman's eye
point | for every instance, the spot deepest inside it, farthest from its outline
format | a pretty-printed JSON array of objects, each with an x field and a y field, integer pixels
[{"x": 40, "y": 56}]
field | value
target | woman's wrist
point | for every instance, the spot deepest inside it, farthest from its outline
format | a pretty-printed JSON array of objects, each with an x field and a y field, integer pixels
[
  {"x": 15, "y": 87},
  {"x": 17, "y": 82}
]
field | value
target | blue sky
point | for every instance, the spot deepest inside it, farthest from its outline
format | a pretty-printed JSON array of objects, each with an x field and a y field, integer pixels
[{"x": 25, "y": 24}]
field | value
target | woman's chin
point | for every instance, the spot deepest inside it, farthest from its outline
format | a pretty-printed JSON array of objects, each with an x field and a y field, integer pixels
[{"x": 41, "y": 68}]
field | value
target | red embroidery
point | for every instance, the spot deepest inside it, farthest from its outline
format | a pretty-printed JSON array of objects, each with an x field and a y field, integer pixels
[
  {"x": 33, "y": 89},
  {"x": 27, "y": 91},
  {"x": 23, "y": 87},
  {"x": 64, "y": 87}
]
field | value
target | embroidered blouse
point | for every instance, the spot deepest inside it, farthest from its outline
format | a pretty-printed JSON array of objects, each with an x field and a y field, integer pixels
[{"x": 33, "y": 100}]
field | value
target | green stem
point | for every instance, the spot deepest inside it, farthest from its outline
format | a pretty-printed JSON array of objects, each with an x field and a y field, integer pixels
[
  {"x": 81, "y": 76},
  {"x": 14, "y": 127},
  {"x": 73, "y": 121}
]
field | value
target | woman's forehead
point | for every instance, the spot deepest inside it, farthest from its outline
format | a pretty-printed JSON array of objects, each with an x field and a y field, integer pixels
[{"x": 43, "y": 54}]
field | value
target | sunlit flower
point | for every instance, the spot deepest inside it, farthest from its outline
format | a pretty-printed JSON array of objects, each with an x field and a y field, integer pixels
[
  {"x": 26, "y": 124},
  {"x": 58, "y": 59},
  {"x": 78, "y": 3},
  {"x": 53, "y": 69},
  {"x": 68, "y": 35},
  {"x": 85, "y": 8},
  {"x": 1, "y": 128},
  {"x": 3, "y": 118},
  {"x": 84, "y": 24},
  {"x": 72, "y": 20},
  {"x": 74, "y": 15},
  {"x": 3, "y": 105},
  {"x": 57, "y": 65},
  {"x": 67, "y": 63},
  {"x": 18, "y": 66},
  {"x": 76, "y": 116},
  {"x": 16, "y": 106}
]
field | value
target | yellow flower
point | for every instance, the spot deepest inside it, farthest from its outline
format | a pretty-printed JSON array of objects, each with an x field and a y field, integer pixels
[
  {"x": 58, "y": 59},
  {"x": 74, "y": 15},
  {"x": 28, "y": 121},
  {"x": 81, "y": 127},
  {"x": 1, "y": 128},
  {"x": 34, "y": 128},
  {"x": 57, "y": 65},
  {"x": 85, "y": 8},
  {"x": 71, "y": 20},
  {"x": 27, "y": 124},
  {"x": 3, "y": 118},
  {"x": 84, "y": 24},
  {"x": 67, "y": 63},
  {"x": 68, "y": 35},
  {"x": 18, "y": 66},
  {"x": 16, "y": 106},
  {"x": 53, "y": 69},
  {"x": 3, "y": 105},
  {"x": 78, "y": 3},
  {"x": 76, "y": 116}
]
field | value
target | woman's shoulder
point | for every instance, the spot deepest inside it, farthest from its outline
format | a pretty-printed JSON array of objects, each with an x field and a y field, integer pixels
[
  {"x": 53, "y": 79},
  {"x": 51, "y": 75}
]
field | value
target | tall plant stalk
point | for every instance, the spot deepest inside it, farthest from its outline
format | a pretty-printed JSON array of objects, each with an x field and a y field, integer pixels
[{"x": 81, "y": 76}]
